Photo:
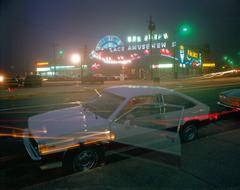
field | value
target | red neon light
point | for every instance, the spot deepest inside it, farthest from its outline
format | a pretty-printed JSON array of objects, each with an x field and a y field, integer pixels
[
  {"x": 95, "y": 66},
  {"x": 212, "y": 116},
  {"x": 166, "y": 52}
]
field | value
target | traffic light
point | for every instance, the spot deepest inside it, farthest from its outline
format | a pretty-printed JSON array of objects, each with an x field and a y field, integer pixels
[
  {"x": 185, "y": 30},
  {"x": 61, "y": 52},
  {"x": 225, "y": 58}
]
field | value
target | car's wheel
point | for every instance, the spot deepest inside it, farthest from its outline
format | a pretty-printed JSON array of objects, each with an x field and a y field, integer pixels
[
  {"x": 82, "y": 160},
  {"x": 188, "y": 132}
]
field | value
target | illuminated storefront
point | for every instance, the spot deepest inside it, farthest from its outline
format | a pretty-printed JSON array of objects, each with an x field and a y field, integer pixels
[
  {"x": 145, "y": 56},
  {"x": 46, "y": 70},
  {"x": 137, "y": 56}
]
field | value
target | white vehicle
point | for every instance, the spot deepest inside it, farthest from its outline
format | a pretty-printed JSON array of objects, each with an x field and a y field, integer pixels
[{"x": 138, "y": 116}]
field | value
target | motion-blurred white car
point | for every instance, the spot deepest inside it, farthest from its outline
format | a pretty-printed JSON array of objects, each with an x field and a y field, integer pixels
[
  {"x": 230, "y": 99},
  {"x": 139, "y": 116}
]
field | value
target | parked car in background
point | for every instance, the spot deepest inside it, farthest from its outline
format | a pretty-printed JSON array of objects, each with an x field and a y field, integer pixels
[
  {"x": 230, "y": 99},
  {"x": 93, "y": 78},
  {"x": 120, "y": 77},
  {"x": 138, "y": 116},
  {"x": 32, "y": 81}
]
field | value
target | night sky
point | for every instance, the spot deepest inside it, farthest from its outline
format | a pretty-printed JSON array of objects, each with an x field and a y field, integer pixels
[{"x": 28, "y": 27}]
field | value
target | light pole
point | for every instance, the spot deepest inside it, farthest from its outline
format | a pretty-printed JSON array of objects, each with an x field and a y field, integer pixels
[
  {"x": 151, "y": 29},
  {"x": 54, "y": 46}
]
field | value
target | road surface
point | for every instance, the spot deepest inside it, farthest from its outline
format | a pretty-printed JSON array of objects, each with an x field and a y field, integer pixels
[{"x": 209, "y": 162}]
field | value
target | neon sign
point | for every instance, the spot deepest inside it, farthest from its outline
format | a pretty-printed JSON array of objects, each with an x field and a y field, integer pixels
[
  {"x": 135, "y": 44},
  {"x": 182, "y": 54},
  {"x": 163, "y": 66},
  {"x": 192, "y": 54},
  {"x": 108, "y": 42},
  {"x": 146, "y": 38},
  {"x": 39, "y": 64}
]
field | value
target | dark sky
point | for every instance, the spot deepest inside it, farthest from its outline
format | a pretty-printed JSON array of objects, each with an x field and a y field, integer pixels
[{"x": 29, "y": 26}]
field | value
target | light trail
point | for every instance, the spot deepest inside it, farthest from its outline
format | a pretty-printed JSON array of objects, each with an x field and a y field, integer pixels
[
  {"x": 39, "y": 106},
  {"x": 211, "y": 116}
]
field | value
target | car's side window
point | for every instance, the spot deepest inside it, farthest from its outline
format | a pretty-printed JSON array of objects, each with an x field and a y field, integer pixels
[
  {"x": 174, "y": 99},
  {"x": 142, "y": 115},
  {"x": 137, "y": 101},
  {"x": 145, "y": 111}
]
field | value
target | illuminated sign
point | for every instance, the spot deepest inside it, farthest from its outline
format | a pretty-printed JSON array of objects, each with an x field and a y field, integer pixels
[
  {"x": 146, "y": 38},
  {"x": 166, "y": 52},
  {"x": 212, "y": 65},
  {"x": 182, "y": 53},
  {"x": 113, "y": 45},
  {"x": 163, "y": 66},
  {"x": 108, "y": 42},
  {"x": 39, "y": 64},
  {"x": 95, "y": 66},
  {"x": 43, "y": 69},
  {"x": 192, "y": 54}
]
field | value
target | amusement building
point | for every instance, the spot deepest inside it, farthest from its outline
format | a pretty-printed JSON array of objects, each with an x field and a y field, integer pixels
[{"x": 155, "y": 57}]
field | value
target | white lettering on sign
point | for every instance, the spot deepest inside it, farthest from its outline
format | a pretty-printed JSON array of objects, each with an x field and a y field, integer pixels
[
  {"x": 146, "y": 38},
  {"x": 139, "y": 47}
]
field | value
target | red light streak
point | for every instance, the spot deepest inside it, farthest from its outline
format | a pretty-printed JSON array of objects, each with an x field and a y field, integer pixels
[{"x": 212, "y": 116}]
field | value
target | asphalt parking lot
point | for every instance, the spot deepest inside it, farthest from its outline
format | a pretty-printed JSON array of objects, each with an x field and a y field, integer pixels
[{"x": 210, "y": 162}]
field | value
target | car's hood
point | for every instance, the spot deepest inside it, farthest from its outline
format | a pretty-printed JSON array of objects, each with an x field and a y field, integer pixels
[
  {"x": 65, "y": 123},
  {"x": 232, "y": 93}
]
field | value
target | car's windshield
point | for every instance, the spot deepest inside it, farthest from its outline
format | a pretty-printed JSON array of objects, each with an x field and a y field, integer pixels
[{"x": 104, "y": 104}]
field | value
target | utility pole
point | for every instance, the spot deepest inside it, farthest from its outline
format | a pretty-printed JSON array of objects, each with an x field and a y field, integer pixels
[
  {"x": 151, "y": 29},
  {"x": 54, "y": 48},
  {"x": 175, "y": 67},
  {"x": 84, "y": 61}
]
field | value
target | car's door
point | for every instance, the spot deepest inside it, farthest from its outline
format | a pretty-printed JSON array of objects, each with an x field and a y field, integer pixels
[
  {"x": 175, "y": 105},
  {"x": 137, "y": 127}
]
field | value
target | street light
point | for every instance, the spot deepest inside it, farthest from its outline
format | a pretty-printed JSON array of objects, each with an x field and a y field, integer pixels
[{"x": 75, "y": 58}]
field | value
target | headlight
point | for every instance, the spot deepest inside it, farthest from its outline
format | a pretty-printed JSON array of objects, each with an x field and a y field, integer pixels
[{"x": 1, "y": 78}]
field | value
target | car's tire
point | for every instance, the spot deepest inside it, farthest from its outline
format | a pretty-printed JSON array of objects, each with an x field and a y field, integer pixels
[
  {"x": 82, "y": 159},
  {"x": 188, "y": 132}
]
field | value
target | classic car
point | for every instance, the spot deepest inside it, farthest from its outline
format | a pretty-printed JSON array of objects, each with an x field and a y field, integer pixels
[
  {"x": 141, "y": 116},
  {"x": 230, "y": 99}
]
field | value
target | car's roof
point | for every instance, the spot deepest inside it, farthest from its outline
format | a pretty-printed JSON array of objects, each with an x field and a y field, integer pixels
[{"x": 128, "y": 91}]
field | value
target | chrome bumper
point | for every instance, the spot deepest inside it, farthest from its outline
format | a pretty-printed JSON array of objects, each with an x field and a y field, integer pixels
[
  {"x": 33, "y": 153},
  {"x": 227, "y": 106}
]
